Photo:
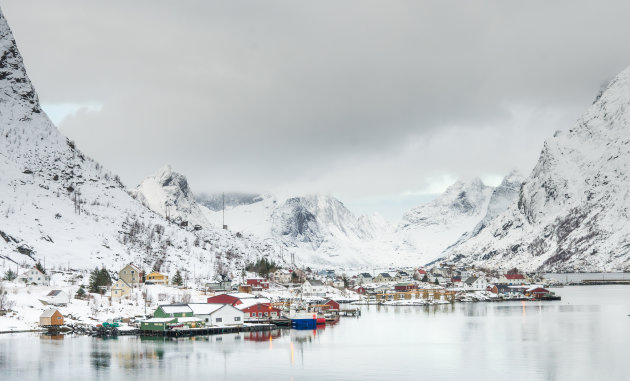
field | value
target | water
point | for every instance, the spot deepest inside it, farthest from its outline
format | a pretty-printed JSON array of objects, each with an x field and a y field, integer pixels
[
  {"x": 579, "y": 277},
  {"x": 586, "y": 336}
]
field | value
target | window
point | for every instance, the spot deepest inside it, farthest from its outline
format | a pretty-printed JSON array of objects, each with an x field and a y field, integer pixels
[
  {"x": 219, "y": 320},
  {"x": 237, "y": 318},
  {"x": 58, "y": 317},
  {"x": 206, "y": 320},
  {"x": 252, "y": 314},
  {"x": 260, "y": 314}
]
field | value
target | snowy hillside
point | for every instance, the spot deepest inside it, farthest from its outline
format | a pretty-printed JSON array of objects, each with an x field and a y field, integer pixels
[
  {"x": 572, "y": 211},
  {"x": 430, "y": 228},
  {"x": 168, "y": 194},
  {"x": 59, "y": 206}
]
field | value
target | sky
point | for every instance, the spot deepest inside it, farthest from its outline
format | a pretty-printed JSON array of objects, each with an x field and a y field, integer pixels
[{"x": 380, "y": 103}]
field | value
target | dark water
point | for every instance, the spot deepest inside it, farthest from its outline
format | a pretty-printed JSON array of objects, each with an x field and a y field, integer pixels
[{"x": 586, "y": 336}]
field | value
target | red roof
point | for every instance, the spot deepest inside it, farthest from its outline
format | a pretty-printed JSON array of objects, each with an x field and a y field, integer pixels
[
  {"x": 224, "y": 299},
  {"x": 421, "y": 271},
  {"x": 514, "y": 276}
]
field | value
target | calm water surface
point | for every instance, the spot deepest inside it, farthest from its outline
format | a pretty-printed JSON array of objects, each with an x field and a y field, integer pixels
[{"x": 586, "y": 336}]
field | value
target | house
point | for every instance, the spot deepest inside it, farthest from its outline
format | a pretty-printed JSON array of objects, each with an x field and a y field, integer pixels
[
  {"x": 217, "y": 314},
  {"x": 34, "y": 276},
  {"x": 512, "y": 279},
  {"x": 260, "y": 311},
  {"x": 334, "y": 306},
  {"x": 536, "y": 292},
  {"x": 419, "y": 274},
  {"x": 156, "y": 278},
  {"x": 224, "y": 284},
  {"x": 166, "y": 323},
  {"x": 476, "y": 283},
  {"x": 364, "y": 278},
  {"x": 57, "y": 298},
  {"x": 120, "y": 288},
  {"x": 359, "y": 290},
  {"x": 402, "y": 274},
  {"x": 51, "y": 316},
  {"x": 313, "y": 287},
  {"x": 282, "y": 276},
  {"x": 405, "y": 286},
  {"x": 257, "y": 283},
  {"x": 224, "y": 299},
  {"x": 173, "y": 311},
  {"x": 383, "y": 277},
  {"x": 338, "y": 283},
  {"x": 131, "y": 274}
]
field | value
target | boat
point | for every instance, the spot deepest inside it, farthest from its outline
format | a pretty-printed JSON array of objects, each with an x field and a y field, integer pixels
[{"x": 304, "y": 320}]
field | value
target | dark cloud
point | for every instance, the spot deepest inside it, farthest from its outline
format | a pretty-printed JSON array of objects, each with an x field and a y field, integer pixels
[{"x": 353, "y": 97}]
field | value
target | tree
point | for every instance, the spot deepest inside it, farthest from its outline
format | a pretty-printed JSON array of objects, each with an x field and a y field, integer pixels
[
  {"x": 513, "y": 271},
  {"x": 39, "y": 267},
  {"x": 10, "y": 275},
  {"x": 177, "y": 279},
  {"x": 99, "y": 278},
  {"x": 80, "y": 293},
  {"x": 425, "y": 278},
  {"x": 263, "y": 267},
  {"x": 437, "y": 282}
]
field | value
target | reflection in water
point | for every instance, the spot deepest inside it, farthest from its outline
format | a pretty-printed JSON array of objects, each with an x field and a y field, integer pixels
[{"x": 584, "y": 336}]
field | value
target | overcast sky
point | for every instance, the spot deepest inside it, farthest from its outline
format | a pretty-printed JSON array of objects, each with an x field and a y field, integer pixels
[{"x": 381, "y": 103}]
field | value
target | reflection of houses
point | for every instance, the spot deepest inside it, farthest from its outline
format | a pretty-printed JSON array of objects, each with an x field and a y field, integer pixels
[
  {"x": 262, "y": 335},
  {"x": 131, "y": 274},
  {"x": 313, "y": 287},
  {"x": 51, "y": 316},
  {"x": 34, "y": 276},
  {"x": 156, "y": 278},
  {"x": 120, "y": 288}
]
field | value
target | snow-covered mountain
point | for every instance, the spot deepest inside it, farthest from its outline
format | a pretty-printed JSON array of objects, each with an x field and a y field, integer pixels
[
  {"x": 318, "y": 229},
  {"x": 430, "y": 228},
  {"x": 61, "y": 207},
  {"x": 168, "y": 194},
  {"x": 572, "y": 210}
]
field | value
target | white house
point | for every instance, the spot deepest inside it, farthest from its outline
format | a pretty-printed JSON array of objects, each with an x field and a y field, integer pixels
[
  {"x": 57, "y": 298},
  {"x": 313, "y": 287},
  {"x": 218, "y": 314},
  {"x": 34, "y": 276},
  {"x": 476, "y": 283},
  {"x": 281, "y": 276}
]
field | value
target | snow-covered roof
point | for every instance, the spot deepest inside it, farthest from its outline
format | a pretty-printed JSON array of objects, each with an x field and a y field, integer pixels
[
  {"x": 175, "y": 308},
  {"x": 315, "y": 282},
  {"x": 204, "y": 308},
  {"x": 54, "y": 293},
  {"x": 251, "y": 302},
  {"x": 48, "y": 313},
  {"x": 159, "y": 320}
]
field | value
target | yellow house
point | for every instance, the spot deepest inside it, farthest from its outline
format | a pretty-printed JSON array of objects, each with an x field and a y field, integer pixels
[
  {"x": 131, "y": 274},
  {"x": 156, "y": 278},
  {"x": 120, "y": 289}
]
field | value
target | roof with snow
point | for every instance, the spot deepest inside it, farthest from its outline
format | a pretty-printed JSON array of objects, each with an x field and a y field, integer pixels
[
  {"x": 48, "y": 313},
  {"x": 204, "y": 308},
  {"x": 54, "y": 293},
  {"x": 175, "y": 308},
  {"x": 471, "y": 280},
  {"x": 315, "y": 282}
]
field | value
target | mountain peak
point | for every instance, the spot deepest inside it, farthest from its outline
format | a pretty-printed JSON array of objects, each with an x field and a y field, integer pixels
[{"x": 15, "y": 86}]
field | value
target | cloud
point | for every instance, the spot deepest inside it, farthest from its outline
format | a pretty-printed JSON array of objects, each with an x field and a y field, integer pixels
[{"x": 362, "y": 99}]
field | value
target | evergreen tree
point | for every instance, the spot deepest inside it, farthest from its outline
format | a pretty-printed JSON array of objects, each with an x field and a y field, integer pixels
[
  {"x": 437, "y": 282},
  {"x": 177, "y": 279},
  {"x": 80, "y": 293},
  {"x": 425, "y": 278},
  {"x": 10, "y": 275},
  {"x": 98, "y": 279},
  {"x": 39, "y": 267}
]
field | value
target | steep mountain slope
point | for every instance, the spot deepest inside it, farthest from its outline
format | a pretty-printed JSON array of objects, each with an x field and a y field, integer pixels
[
  {"x": 61, "y": 207},
  {"x": 572, "y": 211},
  {"x": 168, "y": 194},
  {"x": 430, "y": 228}
]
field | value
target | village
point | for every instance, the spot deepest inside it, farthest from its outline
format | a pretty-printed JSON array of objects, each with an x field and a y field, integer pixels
[{"x": 130, "y": 301}]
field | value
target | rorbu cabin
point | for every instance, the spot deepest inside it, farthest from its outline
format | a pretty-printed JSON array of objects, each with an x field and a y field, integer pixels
[{"x": 51, "y": 317}]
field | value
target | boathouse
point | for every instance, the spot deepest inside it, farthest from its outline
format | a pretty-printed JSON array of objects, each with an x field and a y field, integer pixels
[
  {"x": 173, "y": 311},
  {"x": 334, "y": 306},
  {"x": 261, "y": 311},
  {"x": 217, "y": 314},
  {"x": 51, "y": 316}
]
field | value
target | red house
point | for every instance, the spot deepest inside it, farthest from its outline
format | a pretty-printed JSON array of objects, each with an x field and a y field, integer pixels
[
  {"x": 402, "y": 287},
  {"x": 359, "y": 290},
  {"x": 333, "y": 305},
  {"x": 537, "y": 292},
  {"x": 258, "y": 283},
  {"x": 261, "y": 311},
  {"x": 225, "y": 299}
]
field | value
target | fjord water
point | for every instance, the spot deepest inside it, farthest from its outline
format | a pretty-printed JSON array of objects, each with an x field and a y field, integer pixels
[{"x": 585, "y": 336}]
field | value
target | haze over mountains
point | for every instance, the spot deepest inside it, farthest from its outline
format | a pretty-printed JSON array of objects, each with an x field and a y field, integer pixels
[{"x": 58, "y": 205}]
